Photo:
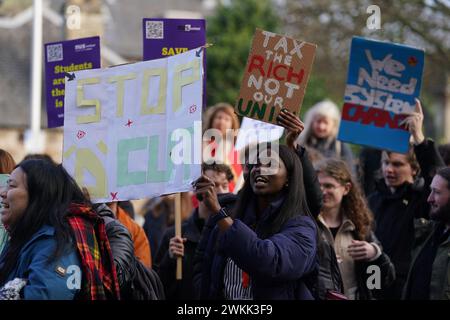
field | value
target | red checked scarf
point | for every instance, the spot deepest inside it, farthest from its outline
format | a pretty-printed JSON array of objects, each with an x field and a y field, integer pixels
[{"x": 99, "y": 273}]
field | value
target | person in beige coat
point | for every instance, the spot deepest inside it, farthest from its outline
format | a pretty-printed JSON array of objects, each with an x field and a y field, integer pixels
[{"x": 345, "y": 222}]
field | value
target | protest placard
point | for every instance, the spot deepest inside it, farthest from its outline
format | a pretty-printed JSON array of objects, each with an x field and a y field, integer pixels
[
  {"x": 167, "y": 37},
  {"x": 255, "y": 131},
  {"x": 61, "y": 58},
  {"x": 275, "y": 76},
  {"x": 383, "y": 81},
  {"x": 164, "y": 37},
  {"x": 128, "y": 130}
]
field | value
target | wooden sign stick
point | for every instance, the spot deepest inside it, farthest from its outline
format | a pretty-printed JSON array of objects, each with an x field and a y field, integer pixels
[{"x": 179, "y": 273}]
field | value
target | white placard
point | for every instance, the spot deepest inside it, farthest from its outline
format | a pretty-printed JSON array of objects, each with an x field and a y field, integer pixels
[
  {"x": 129, "y": 130},
  {"x": 255, "y": 131}
]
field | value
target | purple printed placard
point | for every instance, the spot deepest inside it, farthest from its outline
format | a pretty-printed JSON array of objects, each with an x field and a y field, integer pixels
[
  {"x": 61, "y": 58},
  {"x": 167, "y": 37}
]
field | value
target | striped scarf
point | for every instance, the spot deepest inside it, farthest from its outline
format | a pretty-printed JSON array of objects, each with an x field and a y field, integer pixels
[{"x": 99, "y": 273}]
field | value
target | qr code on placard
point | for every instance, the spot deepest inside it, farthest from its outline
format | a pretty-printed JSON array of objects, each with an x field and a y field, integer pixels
[
  {"x": 54, "y": 52},
  {"x": 154, "y": 30}
]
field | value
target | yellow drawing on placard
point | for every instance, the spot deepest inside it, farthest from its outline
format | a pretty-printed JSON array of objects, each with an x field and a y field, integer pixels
[
  {"x": 87, "y": 103},
  {"x": 160, "y": 106},
  {"x": 102, "y": 147},
  {"x": 87, "y": 160},
  {"x": 120, "y": 89},
  {"x": 69, "y": 152},
  {"x": 179, "y": 81}
]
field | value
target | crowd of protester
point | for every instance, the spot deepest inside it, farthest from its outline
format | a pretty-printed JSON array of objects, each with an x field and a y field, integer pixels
[{"x": 323, "y": 225}]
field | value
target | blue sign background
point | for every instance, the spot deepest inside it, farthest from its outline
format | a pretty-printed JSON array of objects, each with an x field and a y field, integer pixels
[{"x": 368, "y": 134}]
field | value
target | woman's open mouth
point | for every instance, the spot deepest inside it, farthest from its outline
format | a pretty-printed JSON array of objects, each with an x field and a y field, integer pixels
[
  {"x": 260, "y": 181},
  {"x": 4, "y": 205}
]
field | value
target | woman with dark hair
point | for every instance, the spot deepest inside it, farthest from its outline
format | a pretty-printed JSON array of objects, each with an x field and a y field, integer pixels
[
  {"x": 39, "y": 156},
  {"x": 57, "y": 243},
  {"x": 346, "y": 223},
  {"x": 268, "y": 249}
]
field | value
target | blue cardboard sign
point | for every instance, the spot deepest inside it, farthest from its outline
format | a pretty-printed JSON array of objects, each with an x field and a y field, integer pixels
[{"x": 383, "y": 81}]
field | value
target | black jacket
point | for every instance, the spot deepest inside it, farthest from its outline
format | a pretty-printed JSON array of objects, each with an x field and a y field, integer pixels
[
  {"x": 369, "y": 166},
  {"x": 136, "y": 281},
  {"x": 165, "y": 266},
  {"x": 387, "y": 273},
  {"x": 395, "y": 213},
  {"x": 313, "y": 192},
  {"x": 121, "y": 246},
  {"x": 329, "y": 276}
]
